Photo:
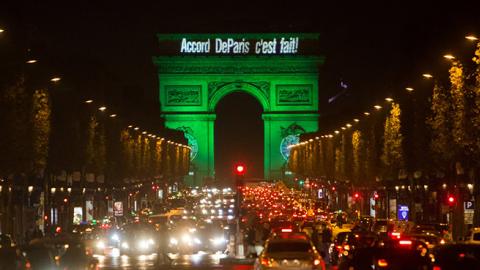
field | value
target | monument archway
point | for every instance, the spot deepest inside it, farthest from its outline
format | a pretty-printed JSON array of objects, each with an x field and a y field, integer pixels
[{"x": 280, "y": 70}]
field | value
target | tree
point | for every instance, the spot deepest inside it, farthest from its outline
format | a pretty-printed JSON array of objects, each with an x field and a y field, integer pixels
[
  {"x": 439, "y": 123},
  {"x": 392, "y": 154},
  {"x": 40, "y": 129},
  {"x": 356, "y": 156},
  {"x": 15, "y": 140},
  {"x": 459, "y": 108}
]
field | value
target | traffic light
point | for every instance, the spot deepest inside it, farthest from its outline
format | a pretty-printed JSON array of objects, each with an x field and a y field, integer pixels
[
  {"x": 376, "y": 196},
  {"x": 301, "y": 182},
  {"x": 356, "y": 195},
  {"x": 451, "y": 200},
  {"x": 240, "y": 169}
]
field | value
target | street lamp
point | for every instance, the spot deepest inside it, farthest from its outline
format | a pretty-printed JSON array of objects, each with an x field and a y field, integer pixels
[
  {"x": 471, "y": 38},
  {"x": 389, "y": 99},
  {"x": 30, "y": 189},
  {"x": 449, "y": 56},
  {"x": 409, "y": 89},
  {"x": 55, "y": 79},
  {"x": 427, "y": 75},
  {"x": 113, "y": 115},
  {"x": 1, "y": 30},
  {"x": 377, "y": 107},
  {"x": 103, "y": 108},
  {"x": 31, "y": 61},
  {"x": 88, "y": 101},
  {"x": 366, "y": 113},
  {"x": 53, "y": 190}
]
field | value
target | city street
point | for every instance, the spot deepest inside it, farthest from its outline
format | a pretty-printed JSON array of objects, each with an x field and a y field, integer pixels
[{"x": 174, "y": 135}]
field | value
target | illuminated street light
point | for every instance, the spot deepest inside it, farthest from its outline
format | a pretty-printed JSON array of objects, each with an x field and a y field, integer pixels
[
  {"x": 427, "y": 75},
  {"x": 449, "y": 56},
  {"x": 311, "y": 140},
  {"x": 113, "y": 115},
  {"x": 366, "y": 113},
  {"x": 53, "y": 190},
  {"x": 348, "y": 125},
  {"x": 144, "y": 132},
  {"x": 343, "y": 128},
  {"x": 103, "y": 108},
  {"x": 136, "y": 128},
  {"x": 388, "y": 99},
  {"x": 409, "y": 89},
  {"x": 471, "y": 38},
  {"x": 55, "y": 79},
  {"x": 88, "y": 101},
  {"x": 130, "y": 126},
  {"x": 336, "y": 131},
  {"x": 377, "y": 107},
  {"x": 30, "y": 189},
  {"x": 31, "y": 61},
  {"x": 2, "y": 30},
  {"x": 356, "y": 120}
]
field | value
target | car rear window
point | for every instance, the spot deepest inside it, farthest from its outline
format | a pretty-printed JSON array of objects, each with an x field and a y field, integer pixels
[{"x": 289, "y": 247}]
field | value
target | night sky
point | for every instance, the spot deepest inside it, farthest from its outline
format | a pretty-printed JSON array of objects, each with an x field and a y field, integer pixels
[{"x": 104, "y": 50}]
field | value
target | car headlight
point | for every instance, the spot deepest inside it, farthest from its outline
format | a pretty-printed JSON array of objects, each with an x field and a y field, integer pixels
[
  {"x": 218, "y": 241},
  {"x": 143, "y": 244},
  {"x": 125, "y": 245},
  {"x": 115, "y": 238},
  {"x": 173, "y": 241},
  {"x": 186, "y": 238},
  {"x": 197, "y": 241},
  {"x": 192, "y": 230},
  {"x": 100, "y": 245}
]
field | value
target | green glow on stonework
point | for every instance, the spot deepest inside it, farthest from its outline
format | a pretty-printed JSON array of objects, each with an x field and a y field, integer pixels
[{"x": 190, "y": 87}]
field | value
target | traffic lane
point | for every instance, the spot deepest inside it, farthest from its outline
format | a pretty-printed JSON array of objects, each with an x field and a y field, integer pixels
[
  {"x": 141, "y": 262},
  {"x": 177, "y": 261}
]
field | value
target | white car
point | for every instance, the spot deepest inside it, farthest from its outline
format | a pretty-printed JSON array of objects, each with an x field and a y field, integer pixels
[{"x": 299, "y": 254}]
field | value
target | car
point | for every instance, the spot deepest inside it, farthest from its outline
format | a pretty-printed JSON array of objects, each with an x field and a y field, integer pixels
[
  {"x": 139, "y": 239},
  {"x": 456, "y": 256},
  {"x": 289, "y": 254},
  {"x": 392, "y": 254},
  {"x": 473, "y": 236},
  {"x": 430, "y": 239},
  {"x": 338, "y": 245},
  {"x": 77, "y": 256},
  {"x": 107, "y": 243}
]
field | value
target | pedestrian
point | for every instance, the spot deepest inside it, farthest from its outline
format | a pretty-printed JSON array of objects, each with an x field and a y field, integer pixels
[{"x": 326, "y": 241}]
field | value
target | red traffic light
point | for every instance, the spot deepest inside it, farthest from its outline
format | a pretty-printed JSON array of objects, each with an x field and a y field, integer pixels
[
  {"x": 375, "y": 196},
  {"x": 451, "y": 199},
  {"x": 356, "y": 195},
  {"x": 240, "y": 169}
]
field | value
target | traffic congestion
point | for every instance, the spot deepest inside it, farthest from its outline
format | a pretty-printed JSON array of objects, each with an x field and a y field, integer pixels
[{"x": 263, "y": 226}]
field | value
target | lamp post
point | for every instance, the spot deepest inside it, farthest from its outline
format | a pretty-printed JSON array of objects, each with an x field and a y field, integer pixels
[{"x": 30, "y": 190}]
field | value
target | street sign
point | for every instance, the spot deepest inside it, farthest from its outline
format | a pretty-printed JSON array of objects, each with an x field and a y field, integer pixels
[
  {"x": 403, "y": 212},
  {"x": 118, "y": 209},
  {"x": 468, "y": 205}
]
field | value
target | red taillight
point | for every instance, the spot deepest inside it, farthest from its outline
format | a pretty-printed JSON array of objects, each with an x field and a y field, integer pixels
[
  {"x": 28, "y": 265},
  {"x": 437, "y": 268},
  {"x": 405, "y": 242},
  {"x": 265, "y": 261},
  {"x": 382, "y": 263},
  {"x": 287, "y": 230}
]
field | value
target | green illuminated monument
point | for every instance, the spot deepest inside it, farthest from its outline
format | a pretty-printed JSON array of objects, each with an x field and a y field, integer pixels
[{"x": 196, "y": 71}]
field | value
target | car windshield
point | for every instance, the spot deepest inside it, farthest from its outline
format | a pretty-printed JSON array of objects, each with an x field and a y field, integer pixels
[{"x": 289, "y": 247}]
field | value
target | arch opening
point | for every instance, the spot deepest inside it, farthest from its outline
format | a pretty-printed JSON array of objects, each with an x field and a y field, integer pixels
[{"x": 239, "y": 136}]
